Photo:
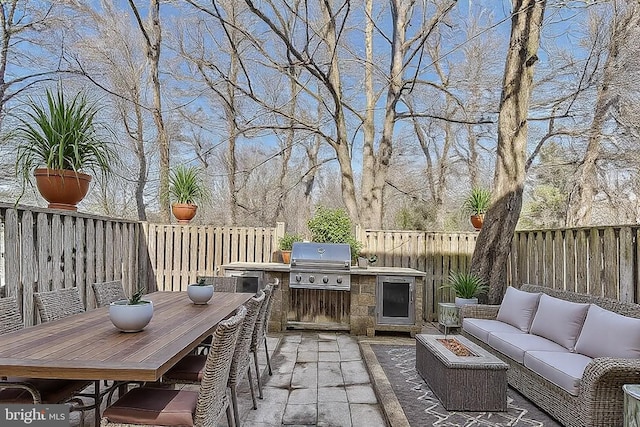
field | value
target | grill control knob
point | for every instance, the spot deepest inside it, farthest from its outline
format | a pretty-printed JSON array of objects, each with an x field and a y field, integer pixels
[
  {"x": 312, "y": 279},
  {"x": 298, "y": 278},
  {"x": 325, "y": 279},
  {"x": 339, "y": 279}
]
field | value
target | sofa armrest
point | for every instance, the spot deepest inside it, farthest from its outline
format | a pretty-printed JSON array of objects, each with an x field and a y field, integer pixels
[
  {"x": 479, "y": 311},
  {"x": 604, "y": 377}
]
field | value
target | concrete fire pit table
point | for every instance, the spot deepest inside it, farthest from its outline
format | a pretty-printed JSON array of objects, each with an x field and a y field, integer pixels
[{"x": 462, "y": 383}]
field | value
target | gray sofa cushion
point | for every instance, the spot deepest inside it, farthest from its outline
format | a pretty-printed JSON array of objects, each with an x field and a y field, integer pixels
[
  {"x": 481, "y": 328},
  {"x": 559, "y": 320},
  {"x": 518, "y": 308},
  {"x": 609, "y": 334},
  {"x": 563, "y": 369},
  {"x": 515, "y": 345}
]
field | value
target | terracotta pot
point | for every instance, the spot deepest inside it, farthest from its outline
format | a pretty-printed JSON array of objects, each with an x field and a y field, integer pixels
[
  {"x": 62, "y": 188},
  {"x": 477, "y": 221},
  {"x": 184, "y": 212},
  {"x": 286, "y": 256}
]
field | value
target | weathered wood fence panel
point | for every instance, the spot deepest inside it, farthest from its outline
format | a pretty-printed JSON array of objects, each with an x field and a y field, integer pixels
[
  {"x": 45, "y": 250},
  {"x": 602, "y": 261},
  {"x": 180, "y": 253}
]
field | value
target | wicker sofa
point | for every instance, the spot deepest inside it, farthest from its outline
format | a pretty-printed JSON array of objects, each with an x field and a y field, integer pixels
[{"x": 593, "y": 399}]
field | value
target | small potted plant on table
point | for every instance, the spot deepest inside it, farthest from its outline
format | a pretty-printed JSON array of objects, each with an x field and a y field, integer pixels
[
  {"x": 200, "y": 293},
  {"x": 286, "y": 244},
  {"x": 477, "y": 205},
  {"x": 467, "y": 287},
  {"x": 186, "y": 188},
  {"x": 133, "y": 314},
  {"x": 58, "y": 141}
]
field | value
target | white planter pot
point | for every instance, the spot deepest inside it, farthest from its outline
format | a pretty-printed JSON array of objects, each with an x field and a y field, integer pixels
[
  {"x": 200, "y": 294},
  {"x": 130, "y": 318},
  {"x": 463, "y": 301}
]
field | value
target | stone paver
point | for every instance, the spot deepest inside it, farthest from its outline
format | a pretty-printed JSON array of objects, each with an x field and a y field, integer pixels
[{"x": 319, "y": 379}]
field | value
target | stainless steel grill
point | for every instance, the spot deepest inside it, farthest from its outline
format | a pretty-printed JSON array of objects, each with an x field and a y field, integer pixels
[{"x": 320, "y": 266}]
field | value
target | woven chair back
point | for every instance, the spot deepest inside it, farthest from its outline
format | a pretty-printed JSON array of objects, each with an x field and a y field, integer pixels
[
  {"x": 58, "y": 304},
  {"x": 108, "y": 292},
  {"x": 220, "y": 283},
  {"x": 10, "y": 318},
  {"x": 212, "y": 398},
  {"x": 241, "y": 359},
  {"x": 262, "y": 322}
]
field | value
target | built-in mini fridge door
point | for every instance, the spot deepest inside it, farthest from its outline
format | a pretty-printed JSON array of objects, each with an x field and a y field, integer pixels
[{"x": 395, "y": 299}]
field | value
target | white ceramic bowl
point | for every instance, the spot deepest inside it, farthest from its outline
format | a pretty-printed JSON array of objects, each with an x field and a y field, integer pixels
[
  {"x": 130, "y": 318},
  {"x": 200, "y": 294}
]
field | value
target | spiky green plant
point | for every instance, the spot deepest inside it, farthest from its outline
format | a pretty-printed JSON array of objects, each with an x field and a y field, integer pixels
[
  {"x": 478, "y": 201},
  {"x": 466, "y": 285},
  {"x": 61, "y": 134},
  {"x": 186, "y": 185},
  {"x": 136, "y": 297}
]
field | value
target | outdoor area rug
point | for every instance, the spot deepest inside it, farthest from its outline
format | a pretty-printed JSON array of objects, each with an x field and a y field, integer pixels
[{"x": 422, "y": 408}]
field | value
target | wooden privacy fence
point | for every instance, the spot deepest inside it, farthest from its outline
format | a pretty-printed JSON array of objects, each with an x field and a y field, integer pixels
[
  {"x": 46, "y": 250},
  {"x": 602, "y": 261},
  {"x": 179, "y": 253}
]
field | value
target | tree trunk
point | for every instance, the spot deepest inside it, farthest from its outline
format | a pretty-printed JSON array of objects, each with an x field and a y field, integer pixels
[{"x": 494, "y": 242}]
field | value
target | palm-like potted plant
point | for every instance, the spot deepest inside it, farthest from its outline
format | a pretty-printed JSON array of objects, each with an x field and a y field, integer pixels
[
  {"x": 133, "y": 314},
  {"x": 286, "y": 244},
  {"x": 186, "y": 188},
  {"x": 477, "y": 204},
  {"x": 467, "y": 287},
  {"x": 58, "y": 142},
  {"x": 200, "y": 292}
]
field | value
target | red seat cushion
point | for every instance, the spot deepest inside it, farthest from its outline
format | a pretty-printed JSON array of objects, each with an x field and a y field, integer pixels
[
  {"x": 189, "y": 368},
  {"x": 154, "y": 406},
  {"x": 51, "y": 391}
]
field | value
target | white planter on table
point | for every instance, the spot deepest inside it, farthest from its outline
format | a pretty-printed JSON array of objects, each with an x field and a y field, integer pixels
[
  {"x": 130, "y": 318},
  {"x": 200, "y": 294}
]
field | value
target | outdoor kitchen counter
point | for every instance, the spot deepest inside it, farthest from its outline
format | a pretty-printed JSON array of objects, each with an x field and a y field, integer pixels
[
  {"x": 284, "y": 268},
  {"x": 354, "y": 310}
]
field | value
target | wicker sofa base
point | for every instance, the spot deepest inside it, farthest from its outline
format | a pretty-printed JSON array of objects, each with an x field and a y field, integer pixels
[{"x": 462, "y": 383}]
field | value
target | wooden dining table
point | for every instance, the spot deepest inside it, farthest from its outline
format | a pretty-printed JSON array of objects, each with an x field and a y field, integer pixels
[{"x": 88, "y": 346}]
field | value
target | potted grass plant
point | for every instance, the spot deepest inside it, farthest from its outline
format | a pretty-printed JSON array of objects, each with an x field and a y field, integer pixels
[
  {"x": 132, "y": 314},
  {"x": 467, "y": 287},
  {"x": 199, "y": 292},
  {"x": 186, "y": 188},
  {"x": 477, "y": 204},
  {"x": 59, "y": 141}
]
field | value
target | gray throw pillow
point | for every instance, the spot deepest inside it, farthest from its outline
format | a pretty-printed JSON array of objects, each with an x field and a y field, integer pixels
[
  {"x": 609, "y": 334},
  {"x": 518, "y": 307},
  {"x": 559, "y": 321}
]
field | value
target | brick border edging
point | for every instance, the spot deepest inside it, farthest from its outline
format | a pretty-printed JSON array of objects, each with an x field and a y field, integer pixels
[{"x": 391, "y": 408}]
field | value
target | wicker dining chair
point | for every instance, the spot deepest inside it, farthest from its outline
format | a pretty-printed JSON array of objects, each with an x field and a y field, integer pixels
[
  {"x": 190, "y": 369},
  {"x": 58, "y": 304},
  {"x": 108, "y": 292},
  {"x": 19, "y": 390},
  {"x": 168, "y": 407},
  {"x": 221, "y": 283},
  {"x": 260, "y": 332}
]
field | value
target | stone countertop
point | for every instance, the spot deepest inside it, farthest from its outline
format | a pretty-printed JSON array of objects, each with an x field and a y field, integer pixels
[{"x": 284, "y": 268}]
